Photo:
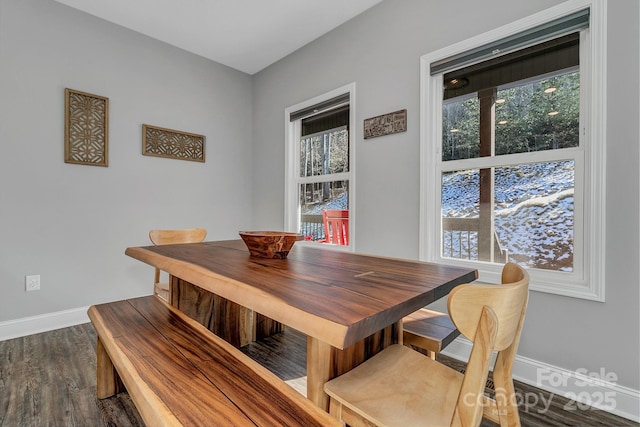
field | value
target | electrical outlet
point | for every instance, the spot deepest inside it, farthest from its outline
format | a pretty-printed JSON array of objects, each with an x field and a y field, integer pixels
[{"x": 32, "y": 283}]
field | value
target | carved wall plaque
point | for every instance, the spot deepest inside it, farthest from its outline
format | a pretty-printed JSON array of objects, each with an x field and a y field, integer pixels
[
  {"x": 385, "y": 124},
  {"x": 86, "y": 128},
  {"x": 173, "y": 144}
]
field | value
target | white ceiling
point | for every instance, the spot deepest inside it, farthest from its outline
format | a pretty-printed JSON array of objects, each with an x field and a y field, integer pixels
[{"x": 247, "y": 35}]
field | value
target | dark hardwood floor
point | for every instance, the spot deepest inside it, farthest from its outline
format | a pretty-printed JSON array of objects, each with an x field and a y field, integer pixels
[{"x": 48, "y": 379}]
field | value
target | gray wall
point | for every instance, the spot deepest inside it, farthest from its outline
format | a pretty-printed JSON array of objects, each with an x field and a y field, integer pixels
[
  {"x": 71, "y": 223},
  {"x": 380, "y": 52}
]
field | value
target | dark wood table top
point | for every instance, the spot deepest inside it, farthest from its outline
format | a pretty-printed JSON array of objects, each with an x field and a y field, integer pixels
[{"x": 337, "y": 297}]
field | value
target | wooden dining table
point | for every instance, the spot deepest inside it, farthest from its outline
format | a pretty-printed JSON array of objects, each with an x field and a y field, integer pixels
[{"x": 349, "y": 305}]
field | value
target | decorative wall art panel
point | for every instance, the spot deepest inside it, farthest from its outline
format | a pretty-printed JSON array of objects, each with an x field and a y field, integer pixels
[
  {"x": 86, "y": 128},
  {"x": 385, "y": 124},
  {"x": 173, "y": 144}
]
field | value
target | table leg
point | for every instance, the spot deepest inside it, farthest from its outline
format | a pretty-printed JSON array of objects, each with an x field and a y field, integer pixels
[
  {"x": 325, "y": 362},
  {"x": 319, "y": 371},
  {"x": 232, "y": 322}
]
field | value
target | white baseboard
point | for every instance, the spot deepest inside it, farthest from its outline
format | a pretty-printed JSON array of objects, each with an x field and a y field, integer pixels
[
  {"x": 42, "y": 323},
  {"x": 598, "y": 390}
]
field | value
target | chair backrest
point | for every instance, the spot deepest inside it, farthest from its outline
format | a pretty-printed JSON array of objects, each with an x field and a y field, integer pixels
[
  {"x": 512, "y": 273},
  {"x": 336, "y": 226},
  {"x": 170, "y": 237},
  {"x": 491, "y": 316}
]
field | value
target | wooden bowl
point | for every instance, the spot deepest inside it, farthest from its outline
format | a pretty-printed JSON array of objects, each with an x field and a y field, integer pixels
[{"x": 269, "y": 244}]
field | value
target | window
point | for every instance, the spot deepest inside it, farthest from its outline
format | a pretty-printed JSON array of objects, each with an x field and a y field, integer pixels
[
  {"x": 513, "y": 147},
  {"x": 319, "y": 157}
]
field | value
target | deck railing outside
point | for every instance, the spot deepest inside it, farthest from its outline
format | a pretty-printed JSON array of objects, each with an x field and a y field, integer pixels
[
  {"x": 460, "y": 240},
  {"x": 311, "y": 225},
  {"x": 459, "y": 237}
]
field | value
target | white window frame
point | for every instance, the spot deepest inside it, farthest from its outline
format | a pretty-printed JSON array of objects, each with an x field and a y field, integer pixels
[
  {"x": 292, "y": 165},
  {"x": 587, "y": 281}
]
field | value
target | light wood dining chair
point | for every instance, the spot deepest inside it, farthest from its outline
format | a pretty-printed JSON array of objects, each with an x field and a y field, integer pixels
[
  {"x": 431, "y": 331},
  {"x": 170, "y": 237},
  {"x": 402, "y": 387}
]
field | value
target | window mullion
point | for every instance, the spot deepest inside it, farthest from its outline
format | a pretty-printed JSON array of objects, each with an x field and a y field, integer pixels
[
  {"x": 344, "y": 176},
  {"x": 511, "y": 159}
]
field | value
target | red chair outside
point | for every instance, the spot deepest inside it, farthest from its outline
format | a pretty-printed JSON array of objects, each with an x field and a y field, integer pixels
[{"x": 336, "y": 227}]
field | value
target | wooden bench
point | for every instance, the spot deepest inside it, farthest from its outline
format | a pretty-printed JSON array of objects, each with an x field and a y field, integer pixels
[
  {"x": 178, "y": 373},
  {"x": 428, "y": 330}
]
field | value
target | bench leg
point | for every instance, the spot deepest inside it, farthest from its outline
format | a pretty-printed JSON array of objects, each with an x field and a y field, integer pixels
[{"x": 108, "y": 381}]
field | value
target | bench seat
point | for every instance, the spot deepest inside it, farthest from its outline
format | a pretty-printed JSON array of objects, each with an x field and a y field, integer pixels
[
  {"x": 428, "y": 330},
  {"x": 177, "y": 372}
]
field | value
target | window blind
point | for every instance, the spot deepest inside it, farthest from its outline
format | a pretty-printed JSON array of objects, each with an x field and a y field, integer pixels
[
  {"x": 319, "y": 107},
  {"x": 558, "y": 27},
  {"x": 543, "y": 58}
]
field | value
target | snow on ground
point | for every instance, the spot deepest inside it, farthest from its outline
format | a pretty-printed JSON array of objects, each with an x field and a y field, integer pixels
[
  {"x": 533, "y": 210},
  {"x": 339, "y": 202}
]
